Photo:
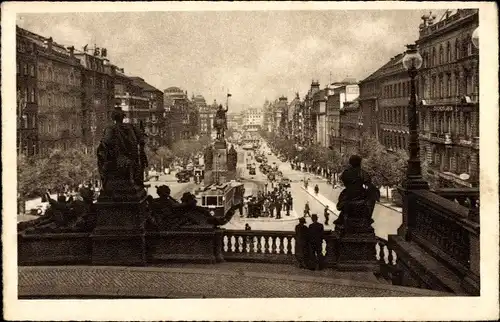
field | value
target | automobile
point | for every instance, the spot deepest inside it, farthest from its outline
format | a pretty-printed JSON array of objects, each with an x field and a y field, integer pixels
[
  {"x": 183, "y": 176},
  {"x": 258, "y": 159},
  {"x": 285, "y": 182},
  {"x": 153, "y": 174},
  {"x": 252, "y": 171}
]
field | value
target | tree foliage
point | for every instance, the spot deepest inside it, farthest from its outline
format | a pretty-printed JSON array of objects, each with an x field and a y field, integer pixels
[{"x": 55, "y": 171}]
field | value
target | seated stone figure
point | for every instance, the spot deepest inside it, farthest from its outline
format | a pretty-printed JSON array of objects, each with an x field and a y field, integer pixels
[
  {"x": 169, "y": 214},
  {"x": 357, "y": 201},
  {"x": 64, "y": 215}
]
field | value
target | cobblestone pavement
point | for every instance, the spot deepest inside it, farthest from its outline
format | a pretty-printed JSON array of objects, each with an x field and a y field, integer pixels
[{"x": 190, "y": 281}]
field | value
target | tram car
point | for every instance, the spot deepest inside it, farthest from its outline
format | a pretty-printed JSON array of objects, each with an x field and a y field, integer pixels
[{"x": 219, "y": 200}]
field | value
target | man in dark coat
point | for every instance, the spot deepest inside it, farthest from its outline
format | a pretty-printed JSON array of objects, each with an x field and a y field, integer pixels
[
  {"x": 316, "y": 231},
  {"x": 302, "y": 243}
]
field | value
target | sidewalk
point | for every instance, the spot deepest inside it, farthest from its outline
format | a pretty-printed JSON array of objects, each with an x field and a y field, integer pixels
[{"x": 322, "y": 200}]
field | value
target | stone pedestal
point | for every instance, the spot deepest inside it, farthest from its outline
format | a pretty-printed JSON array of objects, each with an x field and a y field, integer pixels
[
  {"x": 356, "y": 252},
  {"x": 119, "y": 236}
]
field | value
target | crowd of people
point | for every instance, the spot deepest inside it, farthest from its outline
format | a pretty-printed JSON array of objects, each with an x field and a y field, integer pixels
[{"x": 273, "y": 204}]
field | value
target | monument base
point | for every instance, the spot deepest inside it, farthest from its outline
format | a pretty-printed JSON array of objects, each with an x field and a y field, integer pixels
[
  {"x": 193, "y": 245},
  {"x": 119, "y": 236},
  {"x": 357, "y": 252}
]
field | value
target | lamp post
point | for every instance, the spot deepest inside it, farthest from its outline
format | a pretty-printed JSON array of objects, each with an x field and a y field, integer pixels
[
  {"x": 412, "y": 61},
  {"x": 475, "y": 38}
]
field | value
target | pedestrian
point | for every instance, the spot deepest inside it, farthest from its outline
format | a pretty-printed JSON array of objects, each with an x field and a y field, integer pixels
[
  {"x": 290, "y": 201},
  {"x": 279, "y": 203},
  {"x": 247, "y": 227},
  {"x": 327, "y": 215},
  {"x": 316, "y": 189},
  {"x": 302, "y": 243},
  {"x": 316, "y": 231},
  {"x": 307, "y": 210}
]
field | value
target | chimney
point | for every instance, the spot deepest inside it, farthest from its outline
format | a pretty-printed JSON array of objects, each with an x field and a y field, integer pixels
[
  {"x": 49, "y": 42},
  {"x": 72, "y": 51}
]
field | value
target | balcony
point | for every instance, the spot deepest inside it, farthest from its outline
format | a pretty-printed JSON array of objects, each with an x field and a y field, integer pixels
[{"x": 440, "y": 138}]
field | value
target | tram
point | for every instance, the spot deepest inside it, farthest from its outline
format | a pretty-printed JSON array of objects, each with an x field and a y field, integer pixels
[{"x": 221, "y": 199}]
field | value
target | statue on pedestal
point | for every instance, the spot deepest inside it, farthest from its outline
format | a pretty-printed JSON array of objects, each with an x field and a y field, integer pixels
[
  {"x": 220, "y": 122},
  {"x": 121, "y": 157},
  {"x": 357, "y": 201}
]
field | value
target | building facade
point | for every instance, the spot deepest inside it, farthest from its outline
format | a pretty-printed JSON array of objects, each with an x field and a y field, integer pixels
[
  {"x": 58, "y": 75},
  {"x": 207, "y": 113},
  {"x": 181, "y": 115},
  {"x": 27, "y": 94},
  {"x": 449, "y": 100},
  {"x": 98, "y": 98},
  {"x": 253, "y": 119},
  {"x": 351, "y": 124},
  {"x": 341, "y": 94}
]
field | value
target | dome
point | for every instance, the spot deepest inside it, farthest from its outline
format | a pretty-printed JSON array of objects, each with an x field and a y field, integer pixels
[{"x": 173, "y": 89}]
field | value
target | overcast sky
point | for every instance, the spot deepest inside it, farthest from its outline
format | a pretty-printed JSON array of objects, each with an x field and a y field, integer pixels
[{"x": 255, "y": 54}]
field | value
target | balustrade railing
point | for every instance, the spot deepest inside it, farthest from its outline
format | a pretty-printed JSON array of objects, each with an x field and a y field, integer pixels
[
  {"x": 387, "y": 258},
  {"x": 262, "y": 246},
  {"x": 443, "y": 227},
  {"x": 466, "y": 197}
]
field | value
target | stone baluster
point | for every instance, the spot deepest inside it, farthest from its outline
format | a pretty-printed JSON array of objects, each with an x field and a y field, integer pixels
[
  {"x": 225, "y": 243},
  {"x": 259, "y": 245},
  {"x": 229, "y": 243},
  {"x": 289, "y": 245},
  {"x": 390, "y": 258},
  {"x": 236, "y": 244},
  {"x": 274, "y": 240},
  {"x": 253, "y": 241},
  {"x": 281, "y": 249},
  {"x": 266, "y": 245},
  {"x": 244, "y": 244}
]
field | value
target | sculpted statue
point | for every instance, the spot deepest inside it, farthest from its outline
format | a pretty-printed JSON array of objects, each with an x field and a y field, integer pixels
[
  {"x": 357, "y": 201},
  {"x": 220, "y": 122},
  {"x": 64, "y": 215},
  {"x": 120, "y": 156}
]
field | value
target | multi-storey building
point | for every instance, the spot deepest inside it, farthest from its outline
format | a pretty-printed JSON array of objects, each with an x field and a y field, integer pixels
[
  {"x": 309, "y": 115},
  {"x": 252, "y": 119},
  {"x": 235, "y": 121},
  {"x": 350, "y": 127},
  {"x": 27, "y": 94},
  {"x": 58, "y": 75},
  {"x": 181, "y": 114},
  {"x": 294, "y": 116},
  {"x": 319, "y": 111},
  {"x": 281, "y": 116},
  {"x": 206, "y": 113},
  {"x": 154, "y": 120},
  {"x": 340, "y": 95},
  {"x": 98, "y": 98},
  {"x": 128, "y": 95},
  {"x": 449, "y": 100}
]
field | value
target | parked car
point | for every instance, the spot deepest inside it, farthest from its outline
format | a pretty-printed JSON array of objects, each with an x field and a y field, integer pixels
[
  {"x": 285, "y": 182},
  {"x": 153, "y": 174},
  {"x": 183, "y": 176}
]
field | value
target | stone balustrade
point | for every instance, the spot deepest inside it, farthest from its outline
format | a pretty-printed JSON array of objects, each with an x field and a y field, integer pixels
[
  {"x": 268, "y": 246},
  {"x": 387, "y": 258},
  {"x": 441, "y": 248}
]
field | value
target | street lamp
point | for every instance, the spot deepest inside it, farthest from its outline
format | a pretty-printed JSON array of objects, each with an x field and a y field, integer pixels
[
  {"x": 475, "y": 38},
  {"x": 412, "y": 61}
]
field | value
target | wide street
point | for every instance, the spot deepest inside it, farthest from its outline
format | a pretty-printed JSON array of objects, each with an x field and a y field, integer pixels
[{"x": 386, "y": 220}]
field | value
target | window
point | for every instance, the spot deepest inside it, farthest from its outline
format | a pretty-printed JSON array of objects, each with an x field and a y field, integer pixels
[
  {"x": 32, "y": 95},
  {"x": 467, "y": 125},
  {"x": 433, "y": 59},
  {"x": 25, "y": 69},
  {"x": 441, "y": 86},
  {"x": 441, "y": 54},
  {"x": 18, "y": 68},
  {"x": 433, "y": 86},
  {"x": 448, "y": 85},
  {"x": 33, "y": 121},
  {"x": 468, "y": 83},
  {"x": 457, "y": 49},
  {"x": 448, "y": 52},
  {"x": 448, "y": 123},
  {"x": 32, "y": 70},
  {"x": 469, "y": 45}
]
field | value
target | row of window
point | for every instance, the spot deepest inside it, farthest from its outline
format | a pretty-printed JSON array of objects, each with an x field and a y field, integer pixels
[
  {"x": 27, "y": 94},
  {"x": 447, "y": 122},
  {"x": 400, "y": 89},
  {"x": 449, "y": 52},
  {"x": 53, "y": 126},
  {"x": 448, "y": 160},
  {"x": 449, "y": 85},
  {"x": 60, "y": 75},
  {"x": 26, "y": 121},
  {"x": 395, "y": 115},
  {"x": 28, "y": 69},
  {"x": 58, "y": 99},
  {"x": 394, "y": 141}
]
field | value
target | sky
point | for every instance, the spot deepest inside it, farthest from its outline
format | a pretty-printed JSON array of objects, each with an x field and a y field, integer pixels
[{"x": 254, "y": 55}]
